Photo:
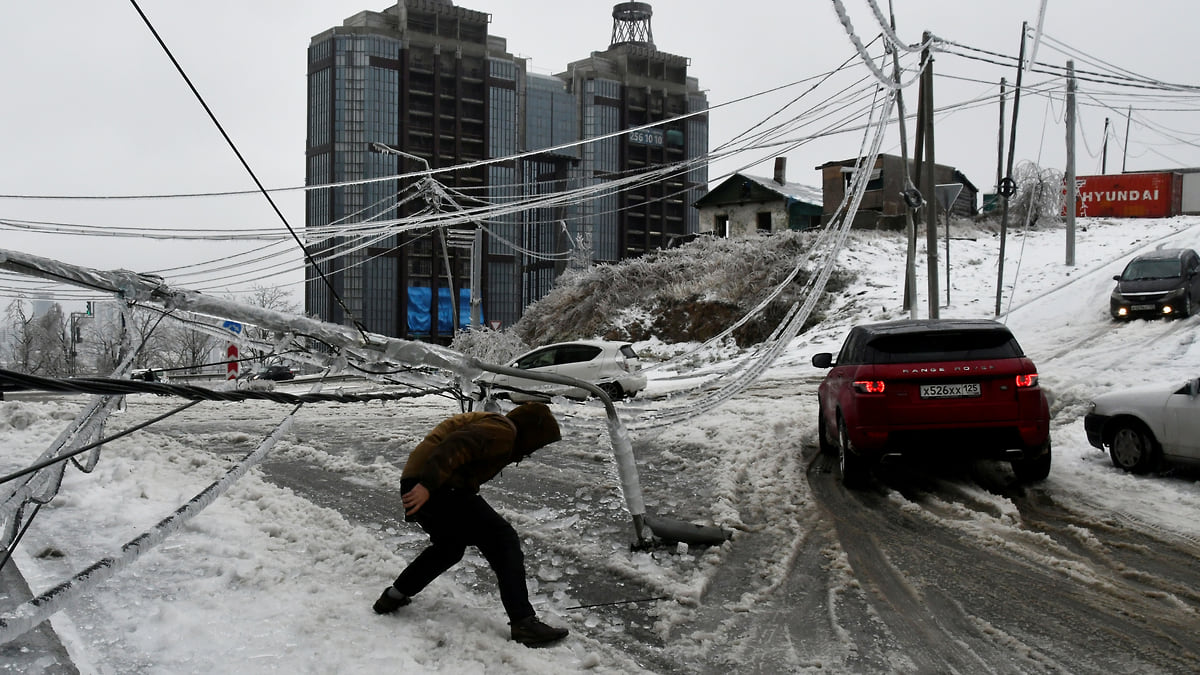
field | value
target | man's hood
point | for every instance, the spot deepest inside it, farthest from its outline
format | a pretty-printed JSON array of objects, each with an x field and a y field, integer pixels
[{"x": 536, "y": 427}]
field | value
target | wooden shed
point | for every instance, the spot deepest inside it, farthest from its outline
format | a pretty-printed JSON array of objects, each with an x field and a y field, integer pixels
[{"x": 883, "y": 205}]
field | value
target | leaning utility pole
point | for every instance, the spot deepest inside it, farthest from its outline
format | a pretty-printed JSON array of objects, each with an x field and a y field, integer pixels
[
  {"x": 1072, "y": 189},
  {"x": 1008, "y": 186},
  {"x": 929, "y": 178}
]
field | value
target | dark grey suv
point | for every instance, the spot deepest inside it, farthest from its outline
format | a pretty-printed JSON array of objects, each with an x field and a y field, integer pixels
[{"x": 1165, "y": 282}]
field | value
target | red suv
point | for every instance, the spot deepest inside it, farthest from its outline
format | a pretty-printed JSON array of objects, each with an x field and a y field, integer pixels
[{"x": 949, "y": 385}]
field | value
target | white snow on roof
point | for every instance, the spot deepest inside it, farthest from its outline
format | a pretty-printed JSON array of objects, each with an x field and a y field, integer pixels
[{"x": 797, "y": 191}]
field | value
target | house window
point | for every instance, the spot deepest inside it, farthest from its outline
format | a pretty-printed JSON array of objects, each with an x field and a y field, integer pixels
[
  {"x": 721, "y": 225},
  {"x": 874, "y": 181},
  {"x": 764, "y": 222}
]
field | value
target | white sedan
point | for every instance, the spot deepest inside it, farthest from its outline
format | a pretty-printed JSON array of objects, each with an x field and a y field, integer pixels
[
  {"x": 1145, "y": 426},
  {"x": 612, "y": 366}
]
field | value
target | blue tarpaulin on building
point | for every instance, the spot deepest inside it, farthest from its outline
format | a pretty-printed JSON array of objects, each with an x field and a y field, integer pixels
[{"x": 420, "y": 305}]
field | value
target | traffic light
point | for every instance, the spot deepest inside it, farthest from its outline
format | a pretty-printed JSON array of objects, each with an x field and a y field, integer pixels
[{"x": 89, "y": 308}]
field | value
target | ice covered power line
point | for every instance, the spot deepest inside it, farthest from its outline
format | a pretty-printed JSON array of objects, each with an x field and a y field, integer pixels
[
  {"x": 1037, "y": 35},
  {"x": 894, "y": 40},
  {"x": 1128, "y": 75},
  {"x": 30, "y": 614},
  {"x": 882, "y": 78},
  {"x": 369, "y": 347},
  {"x": 1113, "y": 75}
]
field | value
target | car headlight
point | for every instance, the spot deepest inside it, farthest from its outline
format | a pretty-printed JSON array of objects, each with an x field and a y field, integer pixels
[{"x": 1173, "y": 294}]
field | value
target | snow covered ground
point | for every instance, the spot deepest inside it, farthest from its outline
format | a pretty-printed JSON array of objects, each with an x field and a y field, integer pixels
[{"x": 265, "y": 580}]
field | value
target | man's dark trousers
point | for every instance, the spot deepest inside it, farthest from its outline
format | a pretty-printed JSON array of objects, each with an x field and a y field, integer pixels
[{"x": 455, "y": 519}]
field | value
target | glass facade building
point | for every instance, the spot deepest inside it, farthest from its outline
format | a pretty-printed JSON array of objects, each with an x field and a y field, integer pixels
[
  {"x": 413, "y": 77},
  {"x": 425, "y": 78}
]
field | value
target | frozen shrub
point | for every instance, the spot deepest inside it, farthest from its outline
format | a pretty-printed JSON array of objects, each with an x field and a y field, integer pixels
[
  {"x": 485, "y": 344},
  {"x": 685, "y": 294}
]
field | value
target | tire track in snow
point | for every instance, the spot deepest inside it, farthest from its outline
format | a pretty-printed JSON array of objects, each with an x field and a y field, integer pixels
[
  {"x": 1009, "y": 574},
  {"x": 933, "y": 632}
]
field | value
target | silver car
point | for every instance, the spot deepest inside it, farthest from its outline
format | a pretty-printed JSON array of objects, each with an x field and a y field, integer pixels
[
  {"x": 612, "y": 366},
  {"x": 1146, "y": 426}
]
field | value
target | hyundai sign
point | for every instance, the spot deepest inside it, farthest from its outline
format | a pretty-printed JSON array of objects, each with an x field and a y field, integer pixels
[{"x": 1129, "y": 195}]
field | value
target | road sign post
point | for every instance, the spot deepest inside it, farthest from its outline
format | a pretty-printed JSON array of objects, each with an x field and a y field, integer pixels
[
  {"x": 947, "y": 194},
  {"x": 231, "y": 350}
]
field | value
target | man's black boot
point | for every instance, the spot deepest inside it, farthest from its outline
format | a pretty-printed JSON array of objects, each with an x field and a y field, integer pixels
[
  {"x": 533, "y": 633},
  {"x": 390, "y": 601}
]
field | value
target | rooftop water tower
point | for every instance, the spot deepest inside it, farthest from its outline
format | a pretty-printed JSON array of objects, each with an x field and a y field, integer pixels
[{"x": 631, "y": 24}]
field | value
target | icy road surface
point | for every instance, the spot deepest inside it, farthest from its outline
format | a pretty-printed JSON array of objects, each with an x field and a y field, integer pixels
[{"x": 937, "y": 568}]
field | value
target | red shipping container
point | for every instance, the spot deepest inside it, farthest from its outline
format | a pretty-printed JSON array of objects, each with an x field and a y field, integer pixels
[{"x": 1129, "y": 195}]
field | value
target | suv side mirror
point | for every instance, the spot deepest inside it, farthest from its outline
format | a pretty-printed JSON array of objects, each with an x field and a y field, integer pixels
[
  {"x": 822, "y": 360},
  {"x": 1116, "y": 277}
]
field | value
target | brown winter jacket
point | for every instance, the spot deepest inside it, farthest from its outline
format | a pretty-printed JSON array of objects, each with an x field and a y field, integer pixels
[{"x": 467, "y": 450}]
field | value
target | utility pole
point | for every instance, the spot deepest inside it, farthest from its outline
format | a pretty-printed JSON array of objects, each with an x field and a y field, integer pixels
[
  {"x": 476, "y": 273},
  {"x": 910, "y": 271},
  {"x": 1072, "y": 189},
  {"x": 1125, "y": 153},
  {"x": 448, "y": 239},
  {"x": 1104, "y": 152},
  {"x": 929, "y": 181},
  {"x": 1008, "y": 186},
  {"x": 1000, "y": 151},
  {"x": 443, "y": 239}
]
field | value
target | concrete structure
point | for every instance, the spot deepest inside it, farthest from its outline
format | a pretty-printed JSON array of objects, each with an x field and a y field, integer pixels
[
  {"x": 744, "y": 204},
  {"x": 882, "y": 205}
]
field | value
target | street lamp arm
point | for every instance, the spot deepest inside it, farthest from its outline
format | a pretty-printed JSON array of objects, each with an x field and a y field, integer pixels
[{"x": 387, "y": 149}]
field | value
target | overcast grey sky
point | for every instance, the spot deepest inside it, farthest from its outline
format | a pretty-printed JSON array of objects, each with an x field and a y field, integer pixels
[{"x": 92, "y": 106}]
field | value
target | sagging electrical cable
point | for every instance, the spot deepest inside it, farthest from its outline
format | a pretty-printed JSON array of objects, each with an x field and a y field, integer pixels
[
  {"x": 110, "y": 386},
  {"x": 11, "y": 548}
]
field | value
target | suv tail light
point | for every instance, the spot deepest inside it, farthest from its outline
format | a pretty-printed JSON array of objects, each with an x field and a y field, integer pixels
[
  {"x": 869, "y": 386},
  {"x": 1027, "y": 380}
]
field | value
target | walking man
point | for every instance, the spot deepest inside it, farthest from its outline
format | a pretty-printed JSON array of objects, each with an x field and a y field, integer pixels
[{"x": 440, "y": 491}]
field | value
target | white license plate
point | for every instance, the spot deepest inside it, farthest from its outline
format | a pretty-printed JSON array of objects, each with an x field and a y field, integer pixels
[
  {"x": 1142, "y": 308},
  {"x": 965, "y": 390}
]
